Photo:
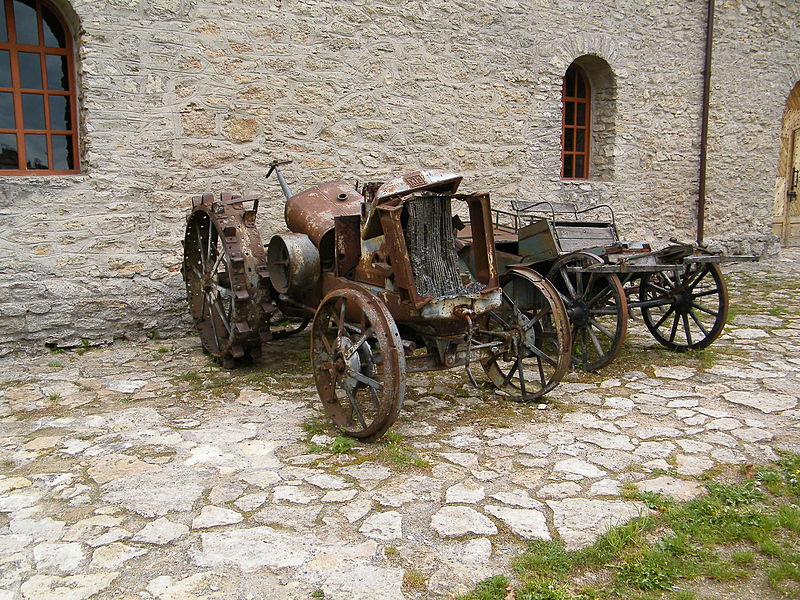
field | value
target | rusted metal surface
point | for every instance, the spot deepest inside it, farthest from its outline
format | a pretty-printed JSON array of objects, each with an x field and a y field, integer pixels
[
  {"x": 359, "y": 363},
  {"x": 226, "y": 277},
  {"x": 314, "y": 210},
  {"x": 417, "y": 181},
  {"x": 294, "y": 264},
  {"x": 533, "y": 326},
  {"x": 367, "y": 264}
]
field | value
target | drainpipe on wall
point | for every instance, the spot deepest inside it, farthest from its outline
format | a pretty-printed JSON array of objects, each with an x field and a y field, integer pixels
[{"x": 701, "y": 192}]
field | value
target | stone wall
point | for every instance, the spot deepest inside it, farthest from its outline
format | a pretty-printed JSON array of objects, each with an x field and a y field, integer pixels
[{"x": 181, "y": 97}]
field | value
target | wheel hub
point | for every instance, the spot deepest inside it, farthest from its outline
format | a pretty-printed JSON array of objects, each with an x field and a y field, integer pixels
[
  {"x": 579, "y": 314},
  {"x": 343, "y": 365},
  {"x": 682, "y": 302}
]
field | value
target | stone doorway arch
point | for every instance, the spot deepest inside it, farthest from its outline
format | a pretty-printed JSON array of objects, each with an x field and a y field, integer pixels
[{"x": 786, "y": 223}]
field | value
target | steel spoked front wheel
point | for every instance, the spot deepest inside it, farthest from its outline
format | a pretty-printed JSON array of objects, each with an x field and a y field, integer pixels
[
  {"x": 532, "y": 322},
  {"x": 358, "y": 360},
  {"x": 686, "y": 312}
]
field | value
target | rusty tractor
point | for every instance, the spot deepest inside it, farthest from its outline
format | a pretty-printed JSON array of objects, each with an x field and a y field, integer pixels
[{"x": 388, "y": 288}]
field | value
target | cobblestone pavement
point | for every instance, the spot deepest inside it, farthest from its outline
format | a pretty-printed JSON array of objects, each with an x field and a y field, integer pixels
[{"x": 144, "y": 471}]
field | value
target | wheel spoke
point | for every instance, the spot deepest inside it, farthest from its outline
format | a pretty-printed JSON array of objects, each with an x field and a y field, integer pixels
[
  {"x": 706, "y": 293},
  {"x": 664, "y": 317},
  {"x": 521, "y": 377},
  {"x": 535, "y": 319},
  {"x": 695, "y": 278},
  {"x": 376, "y": 402},
  {"x": 602, "y": 329},
  {"x": 600, "y": 296},
  {"x": 340, "y": 321},
  {"x": 221, "y": 313},
  {"x": 364, "y": 379},
  {"x": 704, "y": 309},
  {"x": 217, "y": 262},
  {"x": 568, "y": 283},
  {"x": 699, "y": 324},
  {"x": 688, "y": 330},
  {"x": 596, "y": 343},
  {"x": 359, "y": 342},
  {"x": 542, "y": 376},
  {"x": 214, "y": 326},
  {"x": 356, "y": 409},
  {"x": 541, "y": 354},
  {"x": 496, "y": 317},
  {"x": 211, "y": 230},
  {"x": 674, "y": 328}
]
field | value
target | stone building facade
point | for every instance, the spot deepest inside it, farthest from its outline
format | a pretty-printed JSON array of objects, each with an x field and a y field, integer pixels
[{"x": 178, "y": 97}]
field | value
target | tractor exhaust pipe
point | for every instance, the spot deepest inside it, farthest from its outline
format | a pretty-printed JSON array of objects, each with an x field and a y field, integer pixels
[{"x": 274, "y": 167}]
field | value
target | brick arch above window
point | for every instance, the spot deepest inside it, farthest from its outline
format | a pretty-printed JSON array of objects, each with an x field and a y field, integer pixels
[{"x": 38, "y": 99}]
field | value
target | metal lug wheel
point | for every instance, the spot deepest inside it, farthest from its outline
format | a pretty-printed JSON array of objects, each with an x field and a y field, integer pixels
[
  {"x": 224, "y": 269},
  {"x": 686, "y": 312},
  {"x": 358, "y": 361},
  {"x": 597, "y": 309},
  {"x": 532, "y": 322}
]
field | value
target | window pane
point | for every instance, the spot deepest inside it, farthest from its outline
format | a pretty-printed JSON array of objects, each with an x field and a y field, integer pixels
[
  {"x": 579, "y": 135},
  {"x": 569, "y": 139},
  {"x": 581, "y": 86},
  {"x": 579, "y": 165},
  {"x": 5, "y": 69},
  {"x": 581, "y": 114},
  {"x": 8, "y": 151},
  {"x": 56, "y": 72},
  {"x": 569, "y": 82},
  {"x": 60, "y": 117},
  {"x": 53, "y": 32},
  {"x": 3, "y": 26},
  {"x": 62, "y": 152},
  {"x": 36, "y": 151},
  {"x": 30, "y": 70},
  {"x": 569, "y": 113},
  {"x": 25, "y": 20},
  {"x": 33, "y": 111},
  {"x": 568, "y": 165},
  {"x": 7, "y": 120}
]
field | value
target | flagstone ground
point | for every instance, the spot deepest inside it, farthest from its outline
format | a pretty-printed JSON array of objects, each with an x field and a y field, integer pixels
[{"x": 145, "y": 471}]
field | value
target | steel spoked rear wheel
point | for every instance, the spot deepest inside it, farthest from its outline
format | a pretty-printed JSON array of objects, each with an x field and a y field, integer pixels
[
  {"x": 533, "y": 324},
  {"x": 597, "y": 309},
  {"x": 223, "y": 276},
  {"x": 686, "y": 312},
  {"x": 358, "y": 360}
]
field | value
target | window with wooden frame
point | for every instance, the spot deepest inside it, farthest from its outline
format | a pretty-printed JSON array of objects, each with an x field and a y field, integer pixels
[
  {"x": 38, "y": 103},
  {"x": 575, "y": 119}
]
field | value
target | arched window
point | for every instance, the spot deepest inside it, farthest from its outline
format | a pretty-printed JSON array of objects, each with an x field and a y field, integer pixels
[
  {"x": 575, "y": 119},
  {"x": 38, "y": 108}
]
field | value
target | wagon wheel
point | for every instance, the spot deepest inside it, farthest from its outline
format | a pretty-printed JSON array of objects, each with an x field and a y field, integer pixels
[
  {"x": 224, "y": 288},
  {"x": 688, "y": 311},
  {"x": 597, "y": 310},
  {"x": 532, "y": 322},
  {"x": 358, "y": 361}
]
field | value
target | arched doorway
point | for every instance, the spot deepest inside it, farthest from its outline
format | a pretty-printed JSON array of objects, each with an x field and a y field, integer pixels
[{"x": 787, "y": 183}]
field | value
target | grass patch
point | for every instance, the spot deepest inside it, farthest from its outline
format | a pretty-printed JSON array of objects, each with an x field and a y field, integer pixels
[
  {"x": 748, "y": 529},
  {"x": 393, "y": 451}
]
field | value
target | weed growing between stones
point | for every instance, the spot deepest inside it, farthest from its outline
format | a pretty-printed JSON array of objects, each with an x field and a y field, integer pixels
[
  {"x": 392, "y": 451},
  {"x": 749, "y": 530}
]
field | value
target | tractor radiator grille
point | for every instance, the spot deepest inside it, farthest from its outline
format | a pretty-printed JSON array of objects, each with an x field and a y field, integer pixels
[{"x": 431, "y": 248}]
